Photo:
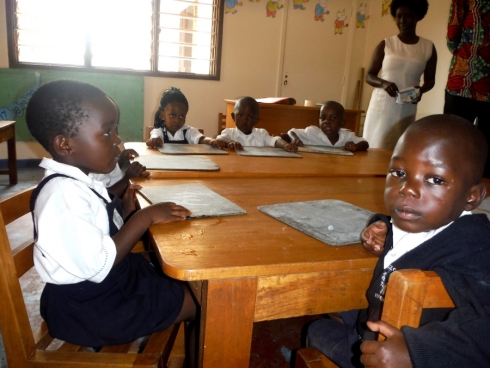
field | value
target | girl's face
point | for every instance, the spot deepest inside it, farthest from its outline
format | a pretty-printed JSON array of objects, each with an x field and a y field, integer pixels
[{"x": 174, "y": 115}]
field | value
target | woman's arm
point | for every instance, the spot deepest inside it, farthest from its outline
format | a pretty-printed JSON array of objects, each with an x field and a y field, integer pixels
[
  {"x": 430, "y": 72},
  {"x": 374, "y": 68}
]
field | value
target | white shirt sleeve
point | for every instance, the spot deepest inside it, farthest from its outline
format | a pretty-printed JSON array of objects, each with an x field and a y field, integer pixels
[
  {"x": 193, "y": 135},
  {"x": 73, "y": 242},
  {"x": 264, "y": 138},
  {"x": 227, "y": 133},
  {"x": 156, "y": 133},
  {"x": 109, "y": 179},
  {"x": 349, "y": 136}
]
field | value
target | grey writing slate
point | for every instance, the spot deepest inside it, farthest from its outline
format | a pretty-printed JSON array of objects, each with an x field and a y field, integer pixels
[
  {"x": 267, "y": 152},
  {"x": 164, "y": 162},
  {"x": 202, "y": 201},
  {"x": 325, "y": 149},
  {"x": 331, "y": 221},
  {"x": 190, "y": 149},
  {"x": 485, "y": 205}
]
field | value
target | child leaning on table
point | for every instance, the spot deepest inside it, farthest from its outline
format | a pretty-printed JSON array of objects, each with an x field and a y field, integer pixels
[
  {"x": 246, "y": 116},
  {"x": 430, "y": 189},
  {"x": 329, "y": 132},
  {"x": 97, "y": 292},
  {"x": 169, "y": 123}
]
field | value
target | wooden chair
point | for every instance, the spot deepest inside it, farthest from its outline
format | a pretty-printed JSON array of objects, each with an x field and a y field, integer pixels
[
  {"x": 221, "y": 122},
  {"x": 26, "y": 348},
  {"x": 408, "y": 293},
  {"x": 7, "y": 133}
]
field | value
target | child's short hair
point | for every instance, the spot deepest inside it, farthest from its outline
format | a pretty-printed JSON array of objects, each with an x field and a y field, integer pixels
[
  {"x": 336, "y": 104},
  {"x": 246, "y": 99},
  {"x": 464, "y": 136},
  {"x": 171, "y": 95},
  {"x": 58, "y": 108},
  {"x": 419, "y": 7}
]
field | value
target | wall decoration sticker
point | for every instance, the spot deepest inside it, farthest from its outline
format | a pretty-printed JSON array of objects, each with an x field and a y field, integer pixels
[
  {"x": 271, "y": 8},
  {"x": 230, "y": 6},
  {"x": 298, "y": 4},
  {"x": 385, "y": 7},
  {"x": 340, "y": 22},
  {"x": 320, "y": 9},
  {"x": 361, "y": 15}
]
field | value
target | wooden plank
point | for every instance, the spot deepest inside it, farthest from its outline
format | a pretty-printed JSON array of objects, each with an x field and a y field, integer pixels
[
  {"x": 228, "y": 311},
  {"x": 286, "y": 296}
]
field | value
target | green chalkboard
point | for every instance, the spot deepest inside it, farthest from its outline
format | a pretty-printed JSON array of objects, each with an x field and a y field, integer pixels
[{"x": 17, "y": 85}]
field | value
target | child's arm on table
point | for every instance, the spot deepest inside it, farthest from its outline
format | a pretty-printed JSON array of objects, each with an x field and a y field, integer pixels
[
  {"x": 212, "y": 142},
  {"x": 129, "y": 234},
  {"x": 391, "y": 353},
  {"x": 135, "y": 170},
  {"x": 353, "y": 147},
  {"x": 229, "y": 143},
  {"x": 281, "y": 143},
  {"x": 156, "y": 138},
  {"x": 373, "y": 237},
  {"x": 295, "y": 139}
]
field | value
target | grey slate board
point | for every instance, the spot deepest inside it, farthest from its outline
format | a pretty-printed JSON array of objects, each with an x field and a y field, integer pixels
[
  {"x": 325, "y": 149},
  {"x": 191, "y": 149},
  {"x": 202, "y": 201},
  {"x": 267, "y": 152},
  {"x": 485, "y": 205},
  {"x": 331, "y": 221},
  {"x": 164, "y": 162}
]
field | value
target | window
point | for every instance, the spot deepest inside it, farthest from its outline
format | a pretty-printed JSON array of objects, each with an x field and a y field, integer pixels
[{"x": 175, "y": 38}]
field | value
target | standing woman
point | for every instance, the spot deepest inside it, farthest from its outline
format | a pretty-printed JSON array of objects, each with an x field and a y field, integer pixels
[{"x": 402, "y": 59}]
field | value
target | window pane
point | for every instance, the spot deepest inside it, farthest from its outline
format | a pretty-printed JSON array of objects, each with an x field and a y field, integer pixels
[{"x": 123, "y": 39}]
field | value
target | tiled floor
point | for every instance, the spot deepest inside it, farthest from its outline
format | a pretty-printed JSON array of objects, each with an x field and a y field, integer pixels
[{"x": 273, "y": 341}]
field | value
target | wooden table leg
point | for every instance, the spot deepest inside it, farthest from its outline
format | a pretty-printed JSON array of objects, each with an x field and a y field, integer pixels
[
  {"x": 227, "y": 322},
  {"x": 12, "y": 159}
]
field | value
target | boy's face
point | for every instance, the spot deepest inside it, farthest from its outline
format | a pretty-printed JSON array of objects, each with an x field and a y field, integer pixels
[
  {"x": 331, "y": 120},
  {"x": 428, "y": 183},
  {"x": 95, "y": 149},
  {"x": 174, "y": 115},
  {"x": 245, "y": 116}
]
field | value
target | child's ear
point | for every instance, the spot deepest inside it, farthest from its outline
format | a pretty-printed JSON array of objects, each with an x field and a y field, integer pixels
[
  {"x": 233, "y": 116},
  {"x": 61, "y": 145},
  {"x": 477, "y": 195}
]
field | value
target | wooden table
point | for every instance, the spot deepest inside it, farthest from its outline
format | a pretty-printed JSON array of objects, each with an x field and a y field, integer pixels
[
  {"x": 373, "y": 162},
  {"x": 249, "y": 268},
  {"x": 7, "y": 133},
  {"x": 277, "y": 118}
]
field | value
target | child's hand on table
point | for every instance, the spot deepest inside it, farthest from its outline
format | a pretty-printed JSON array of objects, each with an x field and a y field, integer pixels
[
  {"x": 297, "y": 142},
  {"x": 350, "y": 146},
  {"x": 136, "y": 170},
  {"x": 235, "y": 146},
  {"x": 154, "y": 142},
  {"x": 391, "y": 353},
  {"x": 217, "y": 143},
  {"x": 126, "y": 156},
  {"x": 373, "y": 237},
  {"x": 162, "y": 213},
  {"x": 129, "y": 200},
  {"x": 290, "y": 147}
]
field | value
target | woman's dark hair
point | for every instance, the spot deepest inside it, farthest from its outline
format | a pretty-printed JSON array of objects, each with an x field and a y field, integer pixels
[
  {"x": 58, "y": 107},
  {"x": 418, "y": 6},
  {"x": 168, "y": 96}
]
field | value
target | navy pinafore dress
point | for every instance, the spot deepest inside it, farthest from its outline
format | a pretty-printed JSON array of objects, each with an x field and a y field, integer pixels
[
  {"x": 132, "y": 301},
  {"x": 166, "y": 140}
]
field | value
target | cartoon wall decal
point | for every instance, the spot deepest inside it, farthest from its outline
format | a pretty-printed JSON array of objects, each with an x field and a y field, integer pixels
[
  {"x": 17, "y": 108},
  {"x": 298, "y": 4},
  {"x": 271, "y": 8},
  {"x": 385, "y": 7},
  {"x": 361, "y": 15},
  {"x": 340, "y": 22},
  {"x": 320, "y": 9},
  {"x": 230, "y": 6}
]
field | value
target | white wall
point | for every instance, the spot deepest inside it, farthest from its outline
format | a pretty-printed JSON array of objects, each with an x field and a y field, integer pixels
[{"x": 320, "y": 64}]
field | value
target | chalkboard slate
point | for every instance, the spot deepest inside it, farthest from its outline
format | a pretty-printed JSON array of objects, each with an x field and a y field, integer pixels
[
  {"x": 202, "y": 201},
  {"x": 331, "y": 221},
  {"x": 191, "y": 149},
  {"x": 177, "y": 163},
  {"x": 325, "y": 149},
  {"x": 266, "y": 152}
]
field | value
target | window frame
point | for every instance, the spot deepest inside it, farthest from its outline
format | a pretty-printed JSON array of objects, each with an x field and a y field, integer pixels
[{"x": 15, "y": 64}]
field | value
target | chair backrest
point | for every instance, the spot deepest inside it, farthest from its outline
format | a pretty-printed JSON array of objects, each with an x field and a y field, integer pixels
[
  {"x": 26, "y": 348},
  {"x": 221, "y": 122},
  {"x": 407, "y": 294}
]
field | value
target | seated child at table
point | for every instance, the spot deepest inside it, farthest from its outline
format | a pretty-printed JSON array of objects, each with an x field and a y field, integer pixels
[
  {"x": 97, "y": 291},
  {"x": 329, "y": 132},
  {"x": 246, "y": 116},
  {"x": 169, "y": 123},
  {"x": 430, "y": 189}
]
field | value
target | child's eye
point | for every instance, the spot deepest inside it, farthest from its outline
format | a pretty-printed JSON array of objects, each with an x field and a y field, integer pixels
[
  {"x": 107, "y": 133},
  {"x": 397, "y": 173},
  {"x": 182, "y": 116},
  {"x": 436, "y": 181}
]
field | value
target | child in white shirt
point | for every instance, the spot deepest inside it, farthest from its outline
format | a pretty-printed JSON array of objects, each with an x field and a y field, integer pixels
[
  {"x": 329, "y": 132},
  {"x": 246, "y": 116},
  {"x": 169, "y": 123}
]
